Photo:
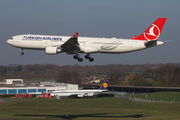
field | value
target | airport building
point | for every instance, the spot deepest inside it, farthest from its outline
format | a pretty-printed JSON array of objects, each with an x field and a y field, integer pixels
[
  {"x": 28, "y": 90},
  {"x": 43, "y": 87},
  {"x": 12, "y": 81}
]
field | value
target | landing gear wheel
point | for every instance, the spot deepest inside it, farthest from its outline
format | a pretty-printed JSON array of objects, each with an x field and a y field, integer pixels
[
  {"x": 21, "y": 53},
  {"x": 91, "y": 59},
  {"x": 75, "y": 57},
  {"x": 80, "y": 59},
  {"x": 87, "y": 57}
]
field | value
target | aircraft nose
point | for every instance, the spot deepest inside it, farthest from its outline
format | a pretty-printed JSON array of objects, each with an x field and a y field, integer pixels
[{"x": 8, "y": 41}]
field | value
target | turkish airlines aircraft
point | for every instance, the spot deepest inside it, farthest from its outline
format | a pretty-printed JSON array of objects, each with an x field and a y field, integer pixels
[
  {"x": 75, "y": 45},
  {"x": 81, "y": 93}
]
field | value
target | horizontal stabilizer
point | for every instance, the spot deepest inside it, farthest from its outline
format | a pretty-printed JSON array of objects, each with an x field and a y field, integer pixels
[
  {"x": 153, "y": 43},
  {"x": 150, "y": 43}
]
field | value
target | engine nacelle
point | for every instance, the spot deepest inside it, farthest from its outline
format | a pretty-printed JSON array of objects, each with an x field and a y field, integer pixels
[
  {"x": 53, "y": 50},
  {"x": 80, "y": 95},
  {"x": 90, "y": 94}
]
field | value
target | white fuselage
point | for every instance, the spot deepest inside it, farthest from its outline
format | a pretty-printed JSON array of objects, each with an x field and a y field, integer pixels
[
  {"x": 86, "y": 44},
  {"x": 79, "y": 93}
]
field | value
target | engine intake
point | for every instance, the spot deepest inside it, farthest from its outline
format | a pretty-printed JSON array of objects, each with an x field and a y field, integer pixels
[{"x": 53, "y": 50}]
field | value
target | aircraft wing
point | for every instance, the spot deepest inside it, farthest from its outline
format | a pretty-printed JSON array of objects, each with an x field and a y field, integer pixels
[{"x": 71, "y": 46}]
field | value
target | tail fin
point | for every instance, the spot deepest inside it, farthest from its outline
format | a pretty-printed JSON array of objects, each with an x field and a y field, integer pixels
[
  {"x": 153, "y": 32},
  {"x": 104, "y": 85}
]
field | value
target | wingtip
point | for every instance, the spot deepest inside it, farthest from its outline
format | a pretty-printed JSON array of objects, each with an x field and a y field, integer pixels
[{"x": 76, "y": 34}]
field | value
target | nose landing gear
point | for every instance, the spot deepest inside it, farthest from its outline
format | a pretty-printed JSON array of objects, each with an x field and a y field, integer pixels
[{"x": 21, "y": 53}]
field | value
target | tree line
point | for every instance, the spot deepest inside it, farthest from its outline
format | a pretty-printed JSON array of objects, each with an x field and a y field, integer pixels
[
  {"x": 168, "y": 76},
  {"x": 138, "y": 75}
]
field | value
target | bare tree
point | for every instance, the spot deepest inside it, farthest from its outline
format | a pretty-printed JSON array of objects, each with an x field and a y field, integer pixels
[
  {"x": 115, "y": 77},
  {"x": 66, "y": 76}
]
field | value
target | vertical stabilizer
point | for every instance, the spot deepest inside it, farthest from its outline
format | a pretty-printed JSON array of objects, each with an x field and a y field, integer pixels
[
  {"x": 104, "y": 85},
  {"x": 153, "y": 32}
]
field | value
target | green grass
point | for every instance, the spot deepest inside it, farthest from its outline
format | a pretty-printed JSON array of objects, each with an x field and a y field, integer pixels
[
  {"x": 104, "y": 108},
  {"x": 158, "y": 96}
]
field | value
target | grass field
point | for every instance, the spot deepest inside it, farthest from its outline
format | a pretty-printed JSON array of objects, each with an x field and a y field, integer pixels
[
  {"x": 102, "y": 108},
  {"x": 161, "y": 96}
]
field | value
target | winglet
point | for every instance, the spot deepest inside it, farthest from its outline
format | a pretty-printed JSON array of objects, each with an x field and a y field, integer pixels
[
  {"x": 104, "y": 85},
  {"x": 153, "y": 32},
  {"x": 75, "y": 35}
]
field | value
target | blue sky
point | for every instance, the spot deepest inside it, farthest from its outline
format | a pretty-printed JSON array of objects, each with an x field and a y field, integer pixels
[{"x": 95, "y": 18}]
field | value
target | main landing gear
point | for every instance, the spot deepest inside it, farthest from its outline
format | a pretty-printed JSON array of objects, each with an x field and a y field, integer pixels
[
  {"x": 78, "y": 58},
  {"x": 21, "y": 53},
  {"x": 88, "y": 56}
]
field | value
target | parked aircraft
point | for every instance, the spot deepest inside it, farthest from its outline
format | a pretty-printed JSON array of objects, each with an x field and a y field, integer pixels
[
  {"x": 75, "y": 45},
  {"x": 81, "y": 93}
]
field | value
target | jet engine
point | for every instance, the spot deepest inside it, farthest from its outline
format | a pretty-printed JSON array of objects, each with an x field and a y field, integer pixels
[
  {"x": 80, "y": 95},
  {"x": 51, "y": 50},
  {"x": 90, "y": 94}
]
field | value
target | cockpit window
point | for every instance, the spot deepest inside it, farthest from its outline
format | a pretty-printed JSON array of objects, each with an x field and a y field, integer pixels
[{"x": 11, "y": 38}]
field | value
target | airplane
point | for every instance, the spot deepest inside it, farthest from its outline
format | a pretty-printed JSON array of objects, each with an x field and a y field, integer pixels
[
  {"x": 81, "y": 93},
  {"x": 75, "y": 45}
]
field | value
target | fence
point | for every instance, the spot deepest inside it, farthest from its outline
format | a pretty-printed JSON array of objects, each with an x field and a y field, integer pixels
[{"x": 142, "y": 100}]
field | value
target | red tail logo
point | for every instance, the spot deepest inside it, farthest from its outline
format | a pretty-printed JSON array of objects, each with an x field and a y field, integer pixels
[
  {"x": 153, "y": 32},
  {"x": 75, "y": 35}
]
